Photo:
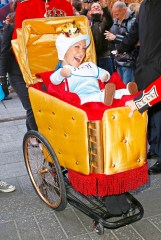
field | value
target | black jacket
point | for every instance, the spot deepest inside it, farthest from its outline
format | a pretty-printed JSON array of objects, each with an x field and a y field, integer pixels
[
  {"x": 147, "y": 30},
  {"x": 8, "y": 63},
  {"x": 120, "y": 30},
  {"x": 98, "y": 27}
]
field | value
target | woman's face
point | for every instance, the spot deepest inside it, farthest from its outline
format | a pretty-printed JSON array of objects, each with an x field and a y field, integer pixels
[{"x": 75, "y": 54}]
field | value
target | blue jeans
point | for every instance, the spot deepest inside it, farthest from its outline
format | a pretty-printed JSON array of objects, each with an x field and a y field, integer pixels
[{"x": 126, "y": 73}]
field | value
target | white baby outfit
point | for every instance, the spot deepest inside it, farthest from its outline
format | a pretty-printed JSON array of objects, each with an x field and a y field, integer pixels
[{"x": 84, "y": 82}]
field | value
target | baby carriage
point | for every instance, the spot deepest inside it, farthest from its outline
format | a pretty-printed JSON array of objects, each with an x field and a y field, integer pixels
[{"x": 79, "y": 158}]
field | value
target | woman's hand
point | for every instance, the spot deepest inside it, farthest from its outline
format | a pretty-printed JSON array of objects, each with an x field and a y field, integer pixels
[
  {"x": 110, "y": 36},
  {"x": 132, "y": 106},
  {"x": 65, "y": 72}
]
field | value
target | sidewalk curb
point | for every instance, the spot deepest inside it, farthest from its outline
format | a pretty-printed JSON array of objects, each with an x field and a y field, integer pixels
[{"x": 10, "y": 119}]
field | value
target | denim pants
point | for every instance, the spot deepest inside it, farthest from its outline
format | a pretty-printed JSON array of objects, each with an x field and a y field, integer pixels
[
  {"x": 17, "y": 82},
  {"x": 126, "y": 74}
]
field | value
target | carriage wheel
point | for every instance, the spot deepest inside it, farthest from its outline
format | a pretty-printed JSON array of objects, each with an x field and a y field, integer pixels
[{"x": 44, "y": 171}]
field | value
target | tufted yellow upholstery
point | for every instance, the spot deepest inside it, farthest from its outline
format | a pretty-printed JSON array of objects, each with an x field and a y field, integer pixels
[
  {"x": 124, "y": 140},
  {"x": 65, "y": 127},
  {"x": 120, "y": 141}
]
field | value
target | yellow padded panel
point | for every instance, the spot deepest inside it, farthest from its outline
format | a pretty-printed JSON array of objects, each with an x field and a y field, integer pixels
[
  {"x": 21, "y": 55},
  {"x": 35, "y": 45},
  {"x": 124, "y": 140},
  {"x": 65, "y": 127}
]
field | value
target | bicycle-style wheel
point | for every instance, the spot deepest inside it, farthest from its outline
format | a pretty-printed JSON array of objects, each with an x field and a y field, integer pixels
[{"x": 44, "y": 170}]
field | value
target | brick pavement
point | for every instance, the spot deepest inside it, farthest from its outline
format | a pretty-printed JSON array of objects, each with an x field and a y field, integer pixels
[{"x": 23, "y": 216}]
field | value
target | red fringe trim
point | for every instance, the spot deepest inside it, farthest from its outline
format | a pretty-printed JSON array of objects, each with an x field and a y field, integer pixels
[{"x": 103, "y": 185}]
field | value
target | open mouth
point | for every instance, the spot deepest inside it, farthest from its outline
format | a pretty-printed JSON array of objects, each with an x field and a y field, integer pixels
[{"x": 77, "y": 59}]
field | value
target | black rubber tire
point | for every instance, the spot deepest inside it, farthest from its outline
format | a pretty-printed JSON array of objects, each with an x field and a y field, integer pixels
[{"x": 46, "y": 176}]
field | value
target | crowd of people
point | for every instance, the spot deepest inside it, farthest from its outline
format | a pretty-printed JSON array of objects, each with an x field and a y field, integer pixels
[{"x": 123, "y": 41}]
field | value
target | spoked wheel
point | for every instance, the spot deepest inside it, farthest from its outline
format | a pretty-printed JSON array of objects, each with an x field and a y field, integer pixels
[{"x": 44, "y": 170}]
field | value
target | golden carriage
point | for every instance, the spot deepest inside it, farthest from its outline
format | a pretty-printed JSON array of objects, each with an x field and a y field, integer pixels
[{"x": 78, "y": 160}]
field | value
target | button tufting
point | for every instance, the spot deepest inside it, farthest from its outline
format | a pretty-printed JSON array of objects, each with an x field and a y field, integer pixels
[
  {"x": 49, "y": 128},
  {"x": 73, "y": 118},
  {"x": 139, "y": 160},
  {"x": 59, "y": 152},
  {"x": 39, "y": 110},
  {"x": 113, "y": 117},
  {"x": 65, "y": 134},
  {"x": 77, "y": 163},
  {"x": 53, "y": 113},
  {"x": 125, "y": 141},
  {"x": 113, "y": 165}
]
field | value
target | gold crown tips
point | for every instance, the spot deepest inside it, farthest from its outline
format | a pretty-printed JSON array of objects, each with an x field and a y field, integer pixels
[{"x": 71, "y": 29}]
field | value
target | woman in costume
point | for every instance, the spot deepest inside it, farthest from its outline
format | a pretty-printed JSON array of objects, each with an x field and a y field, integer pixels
[{"x": 82, "y": 78}]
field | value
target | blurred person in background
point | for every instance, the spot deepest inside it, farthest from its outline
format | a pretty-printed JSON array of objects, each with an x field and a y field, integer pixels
[
  {"x": 5, "y": 56},
  {"x": 101, "y": 20},
  {"x": 77, "y": 7},
  {"x": 124, "y": 19},
  {"x": 135, "y": 8}
]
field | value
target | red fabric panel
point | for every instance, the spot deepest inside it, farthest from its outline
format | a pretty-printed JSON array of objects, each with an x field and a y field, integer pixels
[
  {"x": 103, "y": 185},
  {"x": 94, "y": 110}
]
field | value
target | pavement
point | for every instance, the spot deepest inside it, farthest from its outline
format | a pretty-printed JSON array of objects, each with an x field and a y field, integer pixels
[{"x": 24, "y": 216}]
